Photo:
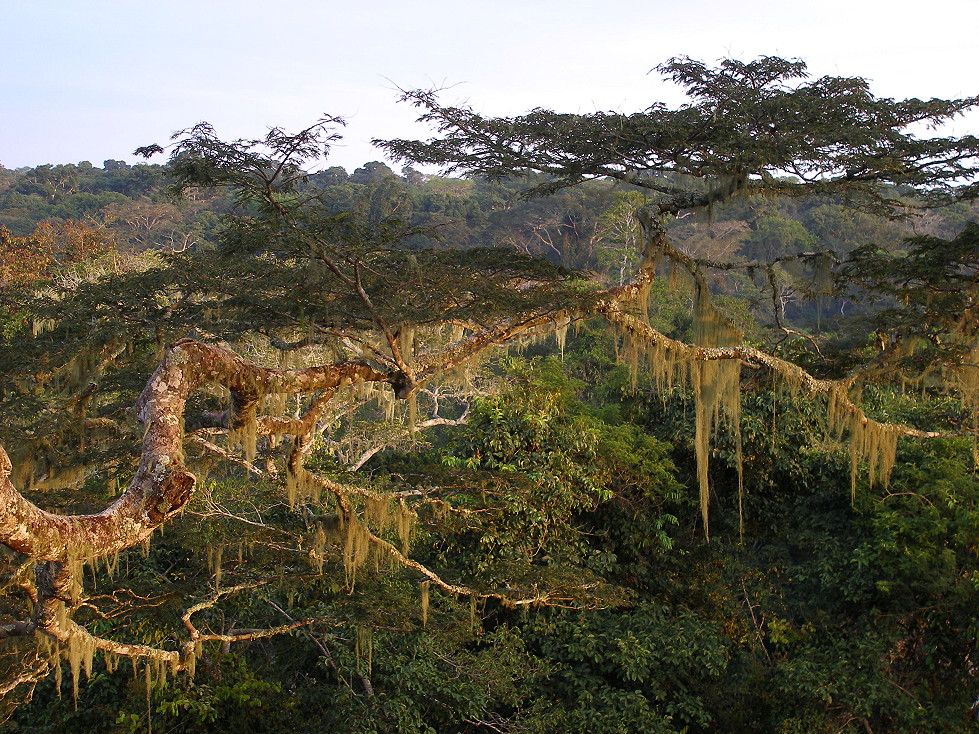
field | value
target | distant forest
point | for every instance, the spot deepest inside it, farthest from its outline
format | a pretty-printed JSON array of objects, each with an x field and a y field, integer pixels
[{"x": 592, "y": 227}]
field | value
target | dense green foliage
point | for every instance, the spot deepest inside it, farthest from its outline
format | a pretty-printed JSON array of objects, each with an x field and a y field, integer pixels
[
  {"x": 827, "y": 614},
  {"x": 530, "y": 555}
]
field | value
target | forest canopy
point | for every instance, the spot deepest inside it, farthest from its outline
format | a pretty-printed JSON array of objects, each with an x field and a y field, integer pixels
[{"x": 644, "y": 415}]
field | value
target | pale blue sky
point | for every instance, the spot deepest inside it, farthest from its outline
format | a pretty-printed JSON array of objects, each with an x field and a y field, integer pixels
[{"x": 94, "y": 79}]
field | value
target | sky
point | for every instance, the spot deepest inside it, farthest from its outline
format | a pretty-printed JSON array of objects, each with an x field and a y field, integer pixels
[{"x": 95, "y": 79}]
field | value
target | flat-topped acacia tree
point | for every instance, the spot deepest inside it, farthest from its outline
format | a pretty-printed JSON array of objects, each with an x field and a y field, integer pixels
[
  {"x": 755, "y": 129},
  {"x": 345, "y": 300}
]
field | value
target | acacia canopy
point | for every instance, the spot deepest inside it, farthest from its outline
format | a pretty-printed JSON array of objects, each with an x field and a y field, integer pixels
[
  {"x": 749, "y": 127},
  {"x": 344, "y": 295}
]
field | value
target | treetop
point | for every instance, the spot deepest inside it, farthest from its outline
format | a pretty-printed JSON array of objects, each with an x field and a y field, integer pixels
[{"x": 749, "y": 127}]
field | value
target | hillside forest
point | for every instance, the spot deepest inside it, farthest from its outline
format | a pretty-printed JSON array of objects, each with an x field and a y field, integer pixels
[{"x": 611, "y": 423}]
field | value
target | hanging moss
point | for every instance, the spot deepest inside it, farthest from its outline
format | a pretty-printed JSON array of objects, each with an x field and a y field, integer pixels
[
  {"x": 387, "y": 402},
  {"x": 111, "y": 662},
  {"x": 869, "y": 441},
  {"x": 318, "y": 549},
  {"x": 214, "y": 562},
  {"x": 404, "y": 519},
  {"x": 715, "y": 383},
  {"x": 365, "y": 390},
  {"x": 58, "y": 676},
  {"x": 965, "y": 377},
  {"x": 822, "y": 274},
  {"x": 66, "y": 477},
  {"x": 76, "y": 562},
  {"x": 665, "y": 363},
  {"x": 191, "y": 654},
  {"x": 40, "y": 326},
  {"x": 111, "y": 564},
  {"x": 80, "y": 652},
  {"x": 149, "y": 688},
  {"x": 24, "y": 467},
  {"x": 424, "y": 585},
  {"x": 380, "y": 514},
  {"x": 364, "y": 647},
  {"x": 302, "y": 486},
  {"x": 356, "y": 548},
  {"x": 377, "y": 512},
  {"x": 561, "y": 335},
  {"x": 292, "y": 487},
  {"x": 49, "y": 649},
  {"x": 717, "y": 394},
  {"x": 407, "y": 342},
  {"x": 275, "y": 404},
  {"x": 246, "y": 436}
]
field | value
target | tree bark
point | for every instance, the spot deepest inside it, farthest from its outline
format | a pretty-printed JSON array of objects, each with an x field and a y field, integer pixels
[{"x": 161, "y": 485}]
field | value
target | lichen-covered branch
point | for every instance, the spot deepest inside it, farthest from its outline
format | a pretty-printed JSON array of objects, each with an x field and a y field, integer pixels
[
  {"x": 359, "y": 536},
  {"x": 160, "y": 488},
  {"x": 161, "y": 485}
]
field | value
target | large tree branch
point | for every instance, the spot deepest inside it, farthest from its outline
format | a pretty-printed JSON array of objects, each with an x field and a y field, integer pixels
[
  {"x": 161, "y": 485},
  {"x": 790, "y": 371}
]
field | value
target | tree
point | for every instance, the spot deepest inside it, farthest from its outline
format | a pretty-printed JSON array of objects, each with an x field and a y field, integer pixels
[
  {"x": 27, "y": 259},
  {"x": 295, "y": 276},
  {"x": 750, "y": 129},
  {"x": 774, "y": 236}
]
